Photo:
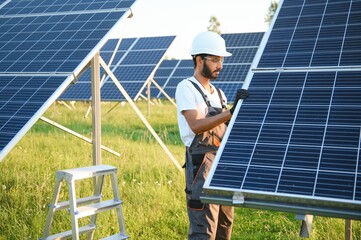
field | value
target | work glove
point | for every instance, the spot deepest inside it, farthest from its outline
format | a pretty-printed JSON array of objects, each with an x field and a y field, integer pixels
[{"x": 241, "y": 94}]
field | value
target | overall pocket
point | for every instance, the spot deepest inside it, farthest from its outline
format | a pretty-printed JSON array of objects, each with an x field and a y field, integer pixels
[{"x": 196, "y": 174}]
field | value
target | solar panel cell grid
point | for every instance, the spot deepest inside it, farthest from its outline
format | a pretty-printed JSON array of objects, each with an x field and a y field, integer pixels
[
  {"x": 112, "y": 93},
  {"x": 49, "y": 6},
  {"x": 313, "y": 34},
  {"x": 300, "y": 132},
  {"x": 134, "y": 60},
  {"x": 46, "y": 50},
  {"x": 41, "y": 45}
]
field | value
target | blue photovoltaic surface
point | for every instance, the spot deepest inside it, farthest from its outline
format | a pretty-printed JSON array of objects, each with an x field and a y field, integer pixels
[
  {"x": 20, "y": 98},
  {"x": 316, "y": 34},
  {"x": 51, "y": 43},
  {"x": 41, "y": 44},
  {"x": 60, "y": 6},
  {"x": 243, "y": 47},
  {"x": 133, "y": 64},
  {"x": 298, "y": 135},
  {"x": 169, "y": 74}
]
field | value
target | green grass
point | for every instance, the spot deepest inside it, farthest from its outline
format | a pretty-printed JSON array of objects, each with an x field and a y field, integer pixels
[{"x": 151, "y": 187}]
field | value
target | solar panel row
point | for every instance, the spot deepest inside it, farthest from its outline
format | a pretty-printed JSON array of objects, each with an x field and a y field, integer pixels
[{"x": 134, "y": 62}]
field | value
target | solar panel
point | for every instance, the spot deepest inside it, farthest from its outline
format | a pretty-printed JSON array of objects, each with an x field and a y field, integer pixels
[
  {"x": 43, "y": 45},
  {"x": 134, "y": 62},
  {"x": 169, "y": 74},
  {"x": 295, "y": 143},
  {"x": 243, "y": 47}
]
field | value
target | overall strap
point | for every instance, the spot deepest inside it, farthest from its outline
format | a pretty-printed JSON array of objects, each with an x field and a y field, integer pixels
[
  {"x": 223, "y": 103},
  {"x": 205, "y": 97}
]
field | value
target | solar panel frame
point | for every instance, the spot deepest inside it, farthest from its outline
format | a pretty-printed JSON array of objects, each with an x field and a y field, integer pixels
[
  {"x": 267, "y": 158},
  {"x": 3, "y": 3}
]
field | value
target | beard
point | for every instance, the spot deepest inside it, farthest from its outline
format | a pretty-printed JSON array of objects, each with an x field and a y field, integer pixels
[{"x": 207, "y": 73}]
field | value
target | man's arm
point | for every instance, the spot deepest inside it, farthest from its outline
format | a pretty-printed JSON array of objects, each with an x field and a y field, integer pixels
[{"x": 199, "y": 124}]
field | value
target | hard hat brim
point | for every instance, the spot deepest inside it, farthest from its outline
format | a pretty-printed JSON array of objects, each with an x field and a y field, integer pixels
[{"x": 210, "y": 52}]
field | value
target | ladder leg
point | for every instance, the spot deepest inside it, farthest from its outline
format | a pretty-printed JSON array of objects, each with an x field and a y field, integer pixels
[
  {"x": 97, "y": 191},
  {"x": 72, "y": 203},
  {"x": 116, "y": 196},
  {"x": 54, "y": 201}
]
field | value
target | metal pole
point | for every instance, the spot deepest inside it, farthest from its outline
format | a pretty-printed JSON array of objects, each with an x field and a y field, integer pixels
[
  {"x": 348, "y": 229},
  {"x": 76, "y": 134},
  {"x": 95, "y": 77},
  {"x": 164, "y": 93},
  {"x": 148, "y": 98}
]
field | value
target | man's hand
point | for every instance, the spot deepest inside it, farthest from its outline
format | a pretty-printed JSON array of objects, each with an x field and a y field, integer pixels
[{"x": 241, "y": 94}]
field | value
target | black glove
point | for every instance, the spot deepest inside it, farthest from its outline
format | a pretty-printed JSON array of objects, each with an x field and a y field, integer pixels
[{"x": 241, "y": 94}]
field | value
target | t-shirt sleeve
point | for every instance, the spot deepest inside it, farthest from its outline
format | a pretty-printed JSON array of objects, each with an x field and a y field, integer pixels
[{"x": 185, "y": 97}]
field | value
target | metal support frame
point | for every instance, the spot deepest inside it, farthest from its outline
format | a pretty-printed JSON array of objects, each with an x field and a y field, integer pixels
[
  {"x": 130, "y": 101},
  {"x": 348, "y": 229},
  {"x": 306, "y": 226},
  {"x": 88, "y": 140},
  {"x": 149, "y": 82},
  {"x": 104, "y": 74},
  {"x": 148, "y": 98},
  {"x": 96, "y": 108},
  {"x": 66, "y": 105},
  {"x": 164, "y": 93}
]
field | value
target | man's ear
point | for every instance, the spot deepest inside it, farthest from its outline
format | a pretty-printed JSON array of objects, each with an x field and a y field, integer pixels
[{"x": 199, "y": 60}]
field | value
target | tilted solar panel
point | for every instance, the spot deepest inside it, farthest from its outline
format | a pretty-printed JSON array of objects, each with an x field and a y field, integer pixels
[
  {"x": 43, "y": 45},
  {"x": 295, "y": 143},
  {"x": 133, "y": 64},
  {"x": 169, "y": 74},
  {"x": 243, "y": 47}
]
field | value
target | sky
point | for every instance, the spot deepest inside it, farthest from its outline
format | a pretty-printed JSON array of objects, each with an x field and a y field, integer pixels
[{"x": 186, "y": 18}]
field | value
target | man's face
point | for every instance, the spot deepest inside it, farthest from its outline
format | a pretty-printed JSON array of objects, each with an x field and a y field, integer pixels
[{"x": 212, "y": 65}]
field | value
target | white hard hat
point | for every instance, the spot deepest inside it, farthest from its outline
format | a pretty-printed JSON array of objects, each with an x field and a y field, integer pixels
[{"x": 209, "y": 43}]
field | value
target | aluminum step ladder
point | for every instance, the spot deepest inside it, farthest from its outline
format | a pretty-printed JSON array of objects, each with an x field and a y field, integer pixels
[{"x": 78, "y": 208}]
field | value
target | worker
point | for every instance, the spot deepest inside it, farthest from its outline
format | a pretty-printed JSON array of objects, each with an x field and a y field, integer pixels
[{"x": 202, "y": 120}]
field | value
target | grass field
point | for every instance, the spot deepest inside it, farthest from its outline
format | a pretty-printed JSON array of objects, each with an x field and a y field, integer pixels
[{"x": 151, "y": 187}]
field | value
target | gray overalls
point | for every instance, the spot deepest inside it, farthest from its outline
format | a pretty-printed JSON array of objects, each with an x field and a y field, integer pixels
[{"x": 207, "y": 221}]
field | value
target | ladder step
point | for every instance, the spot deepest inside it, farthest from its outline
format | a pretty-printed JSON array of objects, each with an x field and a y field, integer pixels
[
  {"x": 68, "y": 234},
  {"x": 95, "y": 208},
  {"x": 87, "y": 172},
  {"x": 118, "y": 236},
  {"x": 66, "y": 204}
]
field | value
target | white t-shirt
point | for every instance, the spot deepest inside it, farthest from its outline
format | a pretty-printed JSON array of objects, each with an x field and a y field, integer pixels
[{"x": 189, "y": 98}]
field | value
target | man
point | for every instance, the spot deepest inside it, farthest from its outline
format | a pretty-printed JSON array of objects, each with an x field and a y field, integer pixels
[{"x": 202, "y": 115}]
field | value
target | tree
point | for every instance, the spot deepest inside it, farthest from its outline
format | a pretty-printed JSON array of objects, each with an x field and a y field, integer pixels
[
  {"x": 271, "y": 12},
  {"x": 214, "y": 25}
]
